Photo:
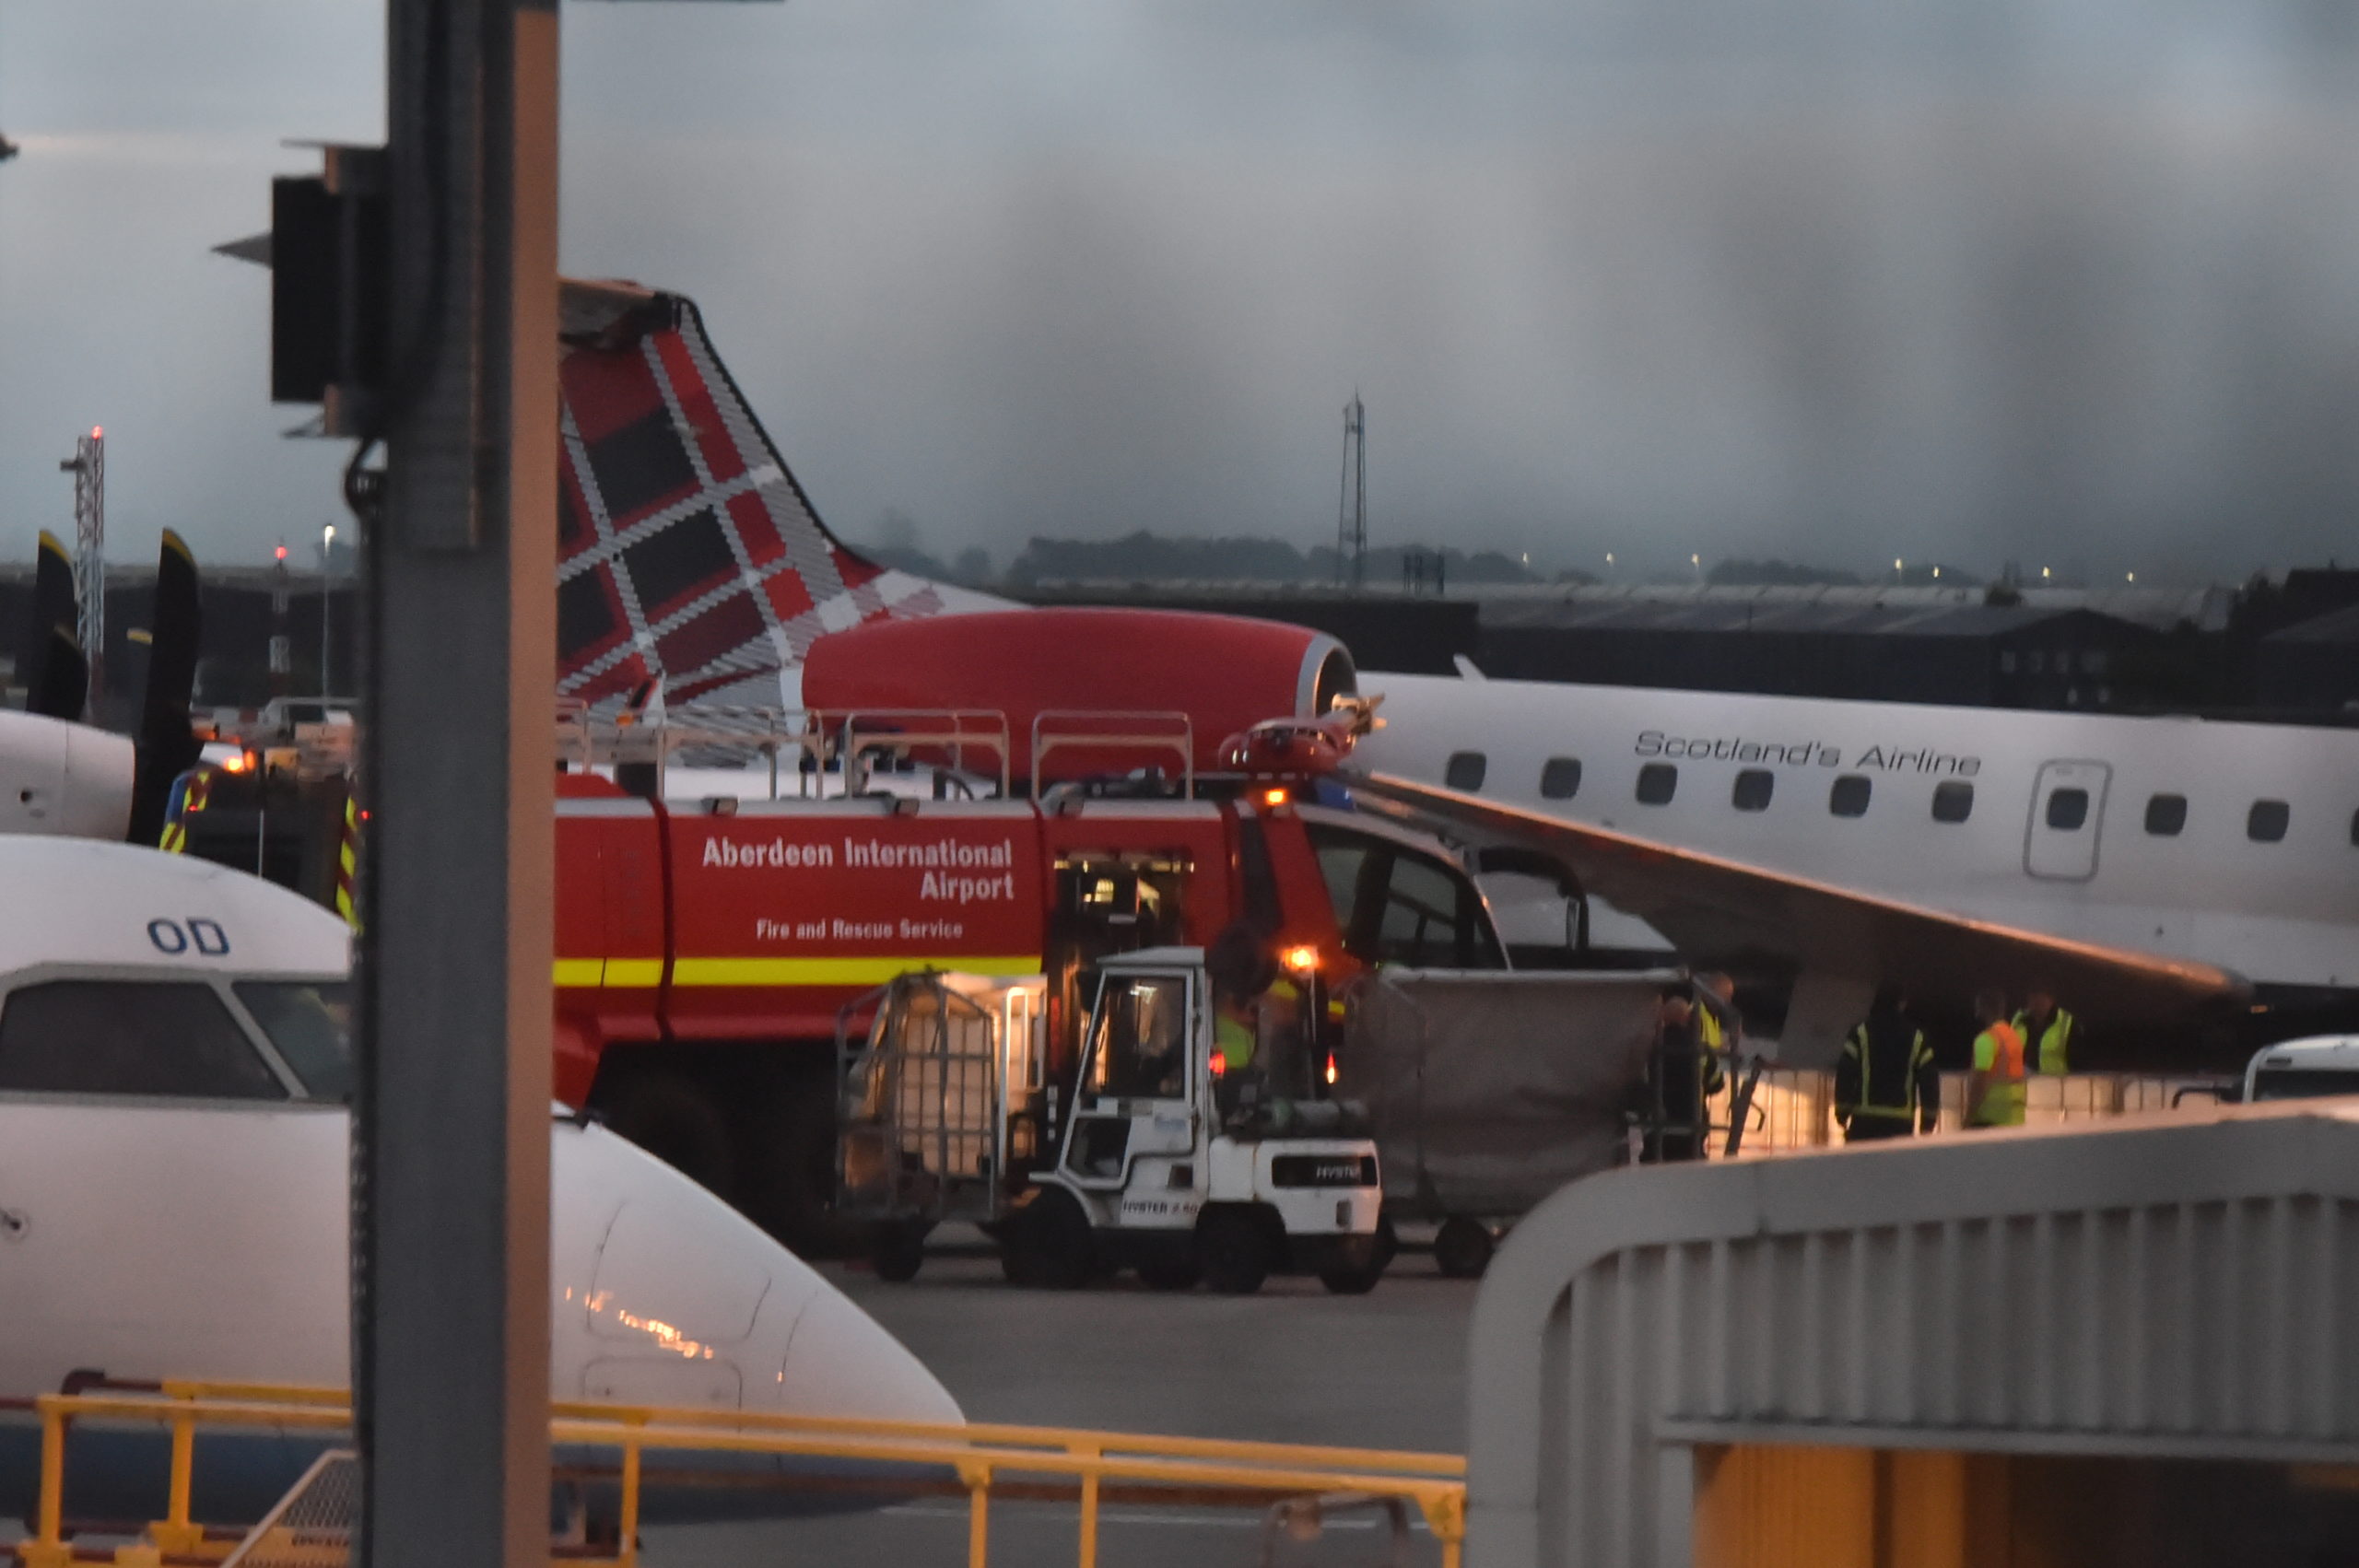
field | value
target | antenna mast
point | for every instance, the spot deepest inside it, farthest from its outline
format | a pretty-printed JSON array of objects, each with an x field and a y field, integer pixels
[
  {"x": 89, "y": 466},
  {"x": 1351, "y": 512}
]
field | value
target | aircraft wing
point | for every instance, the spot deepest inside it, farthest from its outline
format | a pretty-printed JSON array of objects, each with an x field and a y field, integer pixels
[{"x": 1725, "y": 914}]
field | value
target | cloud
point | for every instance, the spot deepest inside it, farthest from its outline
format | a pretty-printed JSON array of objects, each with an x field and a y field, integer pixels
[{"x": 1813, "y": 279}]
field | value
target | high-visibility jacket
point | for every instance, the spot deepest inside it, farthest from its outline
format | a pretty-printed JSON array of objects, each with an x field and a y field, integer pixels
[
  {"x": 1712, "y": 1044},
  {"x": 1999, "y": 1057},
  {"x": 1232, "y": 1041},
  {"x": 1885, "y": 1078},
  {"x": 2047, "y": 1050}
]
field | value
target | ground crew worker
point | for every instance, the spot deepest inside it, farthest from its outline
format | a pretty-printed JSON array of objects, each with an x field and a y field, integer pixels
[
  {"x": 1233, "y": 1032},
  {"x": 2046, "y": 1030},
  {"x": 1994, "y": 1090},
  {"x": 1886, "y": 1085},
  {"x": 1683, "y": 1071},
  {"x": 1717, "y": 1028}
]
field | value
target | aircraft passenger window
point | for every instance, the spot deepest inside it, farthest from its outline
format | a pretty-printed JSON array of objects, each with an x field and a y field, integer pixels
[
  {"x": 1464, "y": 770},
  {"x": 1849, "y": 795},
  {"x": 2067, "y": 810},
  {"x": 2354, "y": 827},
  {"x": 1953, "y": 801},
  {"x": 310, "y": 1024},
  {"x": 129, "y": 1038},
  {"x": 2165, "y": 815},
  {"x": 1560, "y": 778},
  {"x": 1658, "y": 781},
  {"x": 2265, "y": 824},
  {"x": 1753, "y": 788}
]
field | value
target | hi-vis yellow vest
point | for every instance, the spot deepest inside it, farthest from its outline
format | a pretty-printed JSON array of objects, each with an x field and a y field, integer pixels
[{"x": 1999, "y": 1057}]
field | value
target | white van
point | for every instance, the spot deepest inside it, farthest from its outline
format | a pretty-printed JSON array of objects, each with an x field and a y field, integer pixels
[{"x": 2304, "y": 1070}]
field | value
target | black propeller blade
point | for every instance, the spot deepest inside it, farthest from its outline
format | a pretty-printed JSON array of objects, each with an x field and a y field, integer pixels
[
  {"x": 56, "y": 675},
  {"x": 167, "y": 746}
]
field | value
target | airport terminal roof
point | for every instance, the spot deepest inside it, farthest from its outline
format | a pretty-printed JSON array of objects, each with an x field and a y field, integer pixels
[
  {"x": 2160, "y": 608},
  {"x": 1850, "y": 617}
]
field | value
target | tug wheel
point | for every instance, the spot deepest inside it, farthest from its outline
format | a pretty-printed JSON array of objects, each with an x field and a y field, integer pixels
[
  {"x": 1048, "y": 1244},
  {"x": 1462, "y": 1247},
  {"x": 1234, "y": 1244},
  {"x": 897, "y": 1253}
]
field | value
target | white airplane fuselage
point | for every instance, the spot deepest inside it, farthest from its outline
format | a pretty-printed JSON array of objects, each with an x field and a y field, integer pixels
[
  {"x": 174, "y": 1168},
  {"x": 2273, "y": 895},
  {"x": 58, "y": 777}
]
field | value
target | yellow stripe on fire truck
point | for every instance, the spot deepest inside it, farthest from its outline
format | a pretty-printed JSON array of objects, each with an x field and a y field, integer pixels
[{"x": 781, "y": 971}]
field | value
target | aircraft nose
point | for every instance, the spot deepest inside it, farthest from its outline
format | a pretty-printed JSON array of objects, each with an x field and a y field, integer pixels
[{"x": 841, "y": 1361}]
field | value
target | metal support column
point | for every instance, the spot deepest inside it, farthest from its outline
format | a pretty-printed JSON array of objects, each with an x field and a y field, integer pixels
[{"x": 450, "y": 1158}]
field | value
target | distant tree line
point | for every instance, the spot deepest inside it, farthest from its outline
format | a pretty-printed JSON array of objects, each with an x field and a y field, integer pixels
[{"x": 1150, "y": 557}]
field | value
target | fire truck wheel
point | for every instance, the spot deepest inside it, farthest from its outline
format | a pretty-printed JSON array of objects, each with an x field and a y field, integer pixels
[
  {"x": 1234, "y": 1244},
  {"x": 1048, "y": 1244},
  {"x": 798, "y": 1170},
  {"x": 678, "y": 1123},
  {"x": 897, "y": 1253},
  {"x": 1462, "y": 1247},
  {"x": 1170, "y": 1273}
]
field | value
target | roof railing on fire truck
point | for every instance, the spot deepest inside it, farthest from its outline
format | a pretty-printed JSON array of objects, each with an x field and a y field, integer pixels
[
  {"x": 946, "y": 730},
  {"x": 1153, "y": 732},
  {"x": 856, "y": 745},
  {"x": 587, "y": 738}
]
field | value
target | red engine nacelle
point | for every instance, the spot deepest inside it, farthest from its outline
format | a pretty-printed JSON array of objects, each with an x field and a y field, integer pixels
[{"x": 1225, "y": 673}]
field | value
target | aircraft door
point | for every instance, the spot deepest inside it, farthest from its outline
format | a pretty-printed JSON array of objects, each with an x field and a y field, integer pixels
[{"x": 2067, "y": 810}]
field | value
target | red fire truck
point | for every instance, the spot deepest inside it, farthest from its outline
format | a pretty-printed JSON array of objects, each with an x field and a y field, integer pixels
[{"x": 704, "y": 949}]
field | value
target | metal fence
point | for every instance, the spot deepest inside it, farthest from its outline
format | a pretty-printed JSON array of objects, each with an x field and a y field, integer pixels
[
  {"x": 972, "y": 1458},
  {"x": 1793, "y": 1107}
]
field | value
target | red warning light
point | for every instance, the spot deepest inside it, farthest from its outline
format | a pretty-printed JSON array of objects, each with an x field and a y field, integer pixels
[
  {"x": 96, "y": 432},
  {"x": 282, "y": 552}
]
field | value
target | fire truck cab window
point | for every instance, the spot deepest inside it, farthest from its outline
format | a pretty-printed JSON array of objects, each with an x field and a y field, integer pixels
[
  {"x": 1658, "y": 781},
  {"x": 1560, "y": 778},
  {"x": 1395, "y": 905},
  {"x": 1424, "y": 916},
  {"x": 166, "y": 1039},
  {"x": 1139, "y": 1045},
  {"x": 1464, "y": 770},
  {"x": 1343, "y": 862}
]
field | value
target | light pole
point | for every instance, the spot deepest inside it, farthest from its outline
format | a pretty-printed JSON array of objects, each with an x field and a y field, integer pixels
[{"x": 327, "y": 575}]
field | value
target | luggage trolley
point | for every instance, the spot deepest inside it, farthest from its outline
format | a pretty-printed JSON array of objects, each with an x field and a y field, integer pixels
[{"x": 934, "y": 1120}]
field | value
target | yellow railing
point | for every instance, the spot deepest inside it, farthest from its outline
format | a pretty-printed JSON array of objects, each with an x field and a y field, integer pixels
[{"x": 978, "y": 1453}]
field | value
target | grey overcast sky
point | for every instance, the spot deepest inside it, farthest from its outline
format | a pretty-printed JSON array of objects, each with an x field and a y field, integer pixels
[{"x": 2064, "y": 280}]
